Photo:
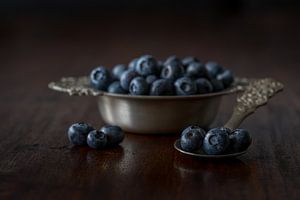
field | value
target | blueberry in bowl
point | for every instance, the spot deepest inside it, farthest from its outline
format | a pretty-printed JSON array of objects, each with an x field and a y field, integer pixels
[
  {"x": 146, "y": 65},
  {"x": 100, "y": 78},
  {"x": 138, "y": 86}
]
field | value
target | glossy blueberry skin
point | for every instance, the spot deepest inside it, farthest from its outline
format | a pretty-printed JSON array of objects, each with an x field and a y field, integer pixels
[
  {"x": 100, "y": 78},
  {"x": 172, "y": 59},
  {"x": 188, "y": 60},
  {"x": 213, "y": 68},
  {"x": 150, "y": 79},
  {"x": 240, "y": 140},
  {"x": 172, "y": 71},
  {"x": 138, "y": 86},
  {"x": 78, "y": 132},
  {"x": 192, "y": 138},
  {"x": 226, "y": 77},
  {"x": 216, "y": 141},
  {"x": 162, "y": 87},
  {"x": 203, "y": 86},
  {"x": 196, "y": 70},
  {"x": 114, "y": 134},
  {"x": 146, "y": 65},
  {"x": 185, "y": 86},
  {"x": 217, "y": 85},
  {"x": 132, "y": 64},
  {"x": 126, "y": 78},
  {"x": 118, "y": 70},
  {"x": 115, "y": 87},
  {"x": 97, "y": 139}
]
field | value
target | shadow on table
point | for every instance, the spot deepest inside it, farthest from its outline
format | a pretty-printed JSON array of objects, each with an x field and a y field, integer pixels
[{"x": 213, "y": 170}]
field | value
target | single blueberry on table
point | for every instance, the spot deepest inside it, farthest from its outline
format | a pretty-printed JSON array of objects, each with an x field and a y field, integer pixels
[
  {"x": 126, "y": 78},
  {"x": 146, "y": 65},
  {"x": 196, "y": 70},
  {"x": 216, "y": 141},
  {"x": 114, "y": 134},
  {"x": 217, "y": 85},
  {"x": 116, "y": 87},
  {"x": 138, "y": 86},
  {"x": 192, "y": 138},
  {"x": 189, "y": 59},
  {"x": 226, "y": 77},
  {"x": 203, "y": 86},
  {"x": 78, "y": 132},
  {"x": 213, "y": 68},
  {"x": 150, "y": 79},
  {"x": 172, "y": 59},
  {"x": 240, "y": 140},
  {"x": 132, "y": 64},
  {"x": 97, "y": 139},
  {"x": 185, "y": 86},
  {"x": 172, "y": 71},
  {"x": 100, "y": 78},
  {"x": 161, "y": 87},
  {"x": 118, "y": 70}
]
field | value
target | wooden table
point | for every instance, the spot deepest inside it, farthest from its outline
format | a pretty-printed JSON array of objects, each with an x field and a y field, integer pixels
[{"x": 37, "y": 161}]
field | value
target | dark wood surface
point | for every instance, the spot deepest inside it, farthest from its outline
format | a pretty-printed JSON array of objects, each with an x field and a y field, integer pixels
[{"x": 37, "y": 161}]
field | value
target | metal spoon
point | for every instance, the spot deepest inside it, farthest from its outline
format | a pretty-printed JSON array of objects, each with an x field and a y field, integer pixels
[{"x": 256, "y": 94}]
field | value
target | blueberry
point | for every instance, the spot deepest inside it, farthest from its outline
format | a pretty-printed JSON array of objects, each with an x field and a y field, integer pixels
[
  {"x": 185, "y": 86},
  {"x": 217, "y": 85},
  {"x": 216, "y": 141},
  {"x": 226, "y": 77},
  {"x": 203, "y": 86},
  {"x": 146, "y": 65},
  {"x": 192, "y": 138},
  {"x": 78, "y": 132},
  {"x": 172, "y": 59},
  {"x": 126, "y": 78},
  {"x": 138, "y": 86},
  {"x": 162, "y": 87},
  {"x": 240, "y": 140},
  {"x": 150, "y": 79},
  {"x": 118, "y": 70},
  {"x": 100, "y": 78},
  {"x": 116, "y": 87},
  {"x": 132, "y": 64},
  {"x": 196, "y": 69},
  {"x": 114, "y": 134},
  {"x": 213, "y": 68},
  {"x": 97, "y": 139},
  {"x": 189, "y": 59},
  {"x": 172, "y": 71}
]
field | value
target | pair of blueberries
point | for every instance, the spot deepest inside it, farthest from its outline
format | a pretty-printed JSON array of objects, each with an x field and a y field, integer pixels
[
  {"x": 215, "y": 141},
  {"x": 84, "y": 134},
  {"x": 147, "y": 76}
]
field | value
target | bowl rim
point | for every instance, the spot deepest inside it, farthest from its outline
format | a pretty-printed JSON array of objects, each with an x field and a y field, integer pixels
[{"x": 227, "y": 91}]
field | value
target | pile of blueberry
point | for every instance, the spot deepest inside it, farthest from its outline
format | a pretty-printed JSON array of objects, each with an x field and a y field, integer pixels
[
  {"x": 147, "y": 76},
  {"x": 216, "y": 141},
  {"x": 84, "y": 134}
]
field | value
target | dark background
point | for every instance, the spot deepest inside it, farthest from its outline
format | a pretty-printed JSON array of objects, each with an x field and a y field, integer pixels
[{"x": 75, "y": 36}]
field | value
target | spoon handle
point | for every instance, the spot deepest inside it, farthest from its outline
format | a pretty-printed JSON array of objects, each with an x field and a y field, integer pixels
[{"x": 256, "y": 94}]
